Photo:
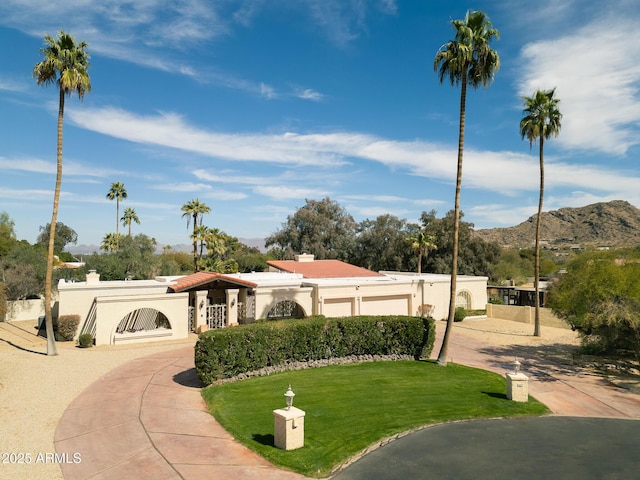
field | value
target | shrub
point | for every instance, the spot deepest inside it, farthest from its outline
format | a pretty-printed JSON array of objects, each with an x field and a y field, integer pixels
[
  {"x": 85, "y": 340},
  {"x": 67, "y": 326},
  {"x": 496, "y": 299},
  {"x": 225, "y": 353},
  {"x": 3, "y": 301},
  {"x": 460, "y": 314}
]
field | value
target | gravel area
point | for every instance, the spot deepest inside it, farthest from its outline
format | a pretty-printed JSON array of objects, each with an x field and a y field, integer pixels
[
  {"x": 35, "y": 389},
  {"x": 507, "y": 332}
]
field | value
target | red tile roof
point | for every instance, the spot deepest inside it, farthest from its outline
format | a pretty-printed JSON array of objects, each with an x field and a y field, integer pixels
[
  {"x": 323, "y": 269},
  {"x": 203, "y": 278}
]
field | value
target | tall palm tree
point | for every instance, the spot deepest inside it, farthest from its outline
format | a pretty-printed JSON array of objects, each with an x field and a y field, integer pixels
[
  {"x": 66, "y": 64},
  {"x": 541, "y": 120},
  {"x": 195, "y": 209},
  {"x": 117, "y": 192},
  {"x": 466, "y": 60},
  {"x": 422, "y": 244},
  {"x": 128, "y": 217}
]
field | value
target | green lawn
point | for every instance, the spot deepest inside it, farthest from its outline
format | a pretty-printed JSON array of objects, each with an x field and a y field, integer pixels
[{"x": 350, "y": 407}]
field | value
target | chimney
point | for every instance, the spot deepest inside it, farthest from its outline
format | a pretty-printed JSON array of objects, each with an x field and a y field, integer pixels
[
  {"x": 93, "y": 277},
  {"x": 305, "y": 257}
]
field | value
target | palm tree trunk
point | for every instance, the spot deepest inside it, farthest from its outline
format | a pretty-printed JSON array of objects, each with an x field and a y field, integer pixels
[
  {"x": 48, "y": 318},
  {"x": 117, "y": 221},
  {"x": 419, "y": 263},
  {"x": 444, "y": 349},
  {"x": 536, "y": 267},
  {"x": 195, "y": 243}
]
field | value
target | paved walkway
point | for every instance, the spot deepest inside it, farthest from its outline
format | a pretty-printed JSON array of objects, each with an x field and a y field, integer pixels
[{"x": 146, "y": 419}]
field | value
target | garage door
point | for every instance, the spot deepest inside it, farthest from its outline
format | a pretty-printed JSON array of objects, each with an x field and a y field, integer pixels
[
  {"x": 337, "y": 307},
  {"x": 389, "y": 305}
]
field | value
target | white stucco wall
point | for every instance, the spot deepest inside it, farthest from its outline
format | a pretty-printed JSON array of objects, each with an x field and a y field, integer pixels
[
  {"x": 110, "y": 310},
  {"x": 115, "y": 299},
  {"x": 267, "y": 297}
]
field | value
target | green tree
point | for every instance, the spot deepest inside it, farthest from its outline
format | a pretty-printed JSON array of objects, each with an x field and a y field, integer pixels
[
  {"x": 195, "y": 209},
  {"x": 64, "y": 235},
  {"x": 7, "y": 234},
  {"x": 135, "y": 258},
  {"x": 421, "y": 245},
  {"x": 599, "y": 296},
  {"x": 118, "y": 193},
  {"x": 466, "y": 60},
  {"x": 109, "y": 243},
  {"x": 541, "y": 120},
  {"x": 322, "y": 228},
  {"x": 216, "y": 241},
  {"x": 24, "y": 269},
  {"x": 381, "y": 244},
  {"x": 175, "y": 263},
  {"x": 129, "y": 217},
  {"x": 475, "y": 256},
  {"x": 66, "y": 64}
]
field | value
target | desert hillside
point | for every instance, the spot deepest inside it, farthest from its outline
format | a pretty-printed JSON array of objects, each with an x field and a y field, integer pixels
[{"x": 614, "y": 224}]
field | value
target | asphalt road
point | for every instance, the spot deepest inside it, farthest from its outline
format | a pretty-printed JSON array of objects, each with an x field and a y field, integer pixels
[{"x": 550, "y": 447}]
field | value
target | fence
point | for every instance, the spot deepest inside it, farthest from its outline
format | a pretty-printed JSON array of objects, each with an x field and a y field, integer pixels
[{"x": 525, "y": 315}]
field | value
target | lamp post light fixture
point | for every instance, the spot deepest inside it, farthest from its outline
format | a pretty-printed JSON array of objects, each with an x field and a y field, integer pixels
[
  {"x": 516, "y": 366},
  {"x": 289, "y": 397}
]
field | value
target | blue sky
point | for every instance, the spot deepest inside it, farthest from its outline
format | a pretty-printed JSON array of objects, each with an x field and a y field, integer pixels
[{"x": 253, "y": 106}]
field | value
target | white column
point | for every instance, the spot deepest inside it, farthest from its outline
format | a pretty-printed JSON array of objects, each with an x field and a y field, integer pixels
[
  {"x": 200, "y": 311},
  {"x": 232, "y": 306}
]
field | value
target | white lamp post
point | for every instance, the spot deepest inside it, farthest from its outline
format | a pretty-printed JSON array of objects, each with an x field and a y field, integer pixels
[
  {"x": 516, "y": 366},
  {"x": 289, "y": 397}
]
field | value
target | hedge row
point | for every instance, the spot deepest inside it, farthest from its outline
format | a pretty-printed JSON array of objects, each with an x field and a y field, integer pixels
[{"x": 225, "y": 353}]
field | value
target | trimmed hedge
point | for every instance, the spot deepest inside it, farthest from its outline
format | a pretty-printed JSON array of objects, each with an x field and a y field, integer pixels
[{"x": 225, "y": 353}]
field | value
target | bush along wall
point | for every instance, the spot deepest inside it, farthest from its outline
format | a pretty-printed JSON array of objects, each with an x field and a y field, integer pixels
[{"x": 226, "y": 353}]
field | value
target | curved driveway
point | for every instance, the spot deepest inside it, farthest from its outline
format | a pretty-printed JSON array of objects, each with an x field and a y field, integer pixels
[{"x": 146, "y": 419}]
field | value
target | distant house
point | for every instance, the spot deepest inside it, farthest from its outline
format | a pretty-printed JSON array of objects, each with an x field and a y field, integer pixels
[{"x": 171, "y": 307}]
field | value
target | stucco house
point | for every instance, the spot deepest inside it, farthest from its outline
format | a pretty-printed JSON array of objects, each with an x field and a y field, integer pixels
[{"x": 170, "y": 307}]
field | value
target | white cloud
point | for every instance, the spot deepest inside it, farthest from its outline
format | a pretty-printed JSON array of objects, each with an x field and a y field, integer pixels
[
  {"x": 309, "y": 94},
  {"x": 31, "y": 194},
  {"x": 505, "y": 172},
  {"x": 228, "y": 178},
  {"x": 70, "y": 167},
  {"x": 267, "y": 91},
  {"x": 10, "y": 85},
  {"x": 285, "y": 192},
  {"x": 183, "y": 187},
  {"x": 597, "y": 84}
]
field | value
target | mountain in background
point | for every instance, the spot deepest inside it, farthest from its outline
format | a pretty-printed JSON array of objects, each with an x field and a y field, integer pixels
[{"x": 610, "y": 224}]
